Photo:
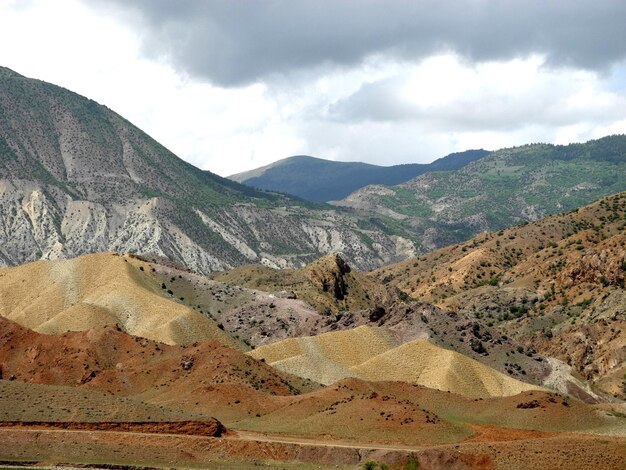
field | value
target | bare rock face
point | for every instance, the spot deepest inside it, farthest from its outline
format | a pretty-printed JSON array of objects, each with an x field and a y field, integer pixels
[
  {"x": 77, "y": 178},
  {"x": 604, "y": 266},
  {"x": 329, "y": 273}
]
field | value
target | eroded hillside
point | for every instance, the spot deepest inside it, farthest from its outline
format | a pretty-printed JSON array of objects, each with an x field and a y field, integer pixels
[
  {"x": 556, "y": 284},
  {"x": 77, "y": 178}
]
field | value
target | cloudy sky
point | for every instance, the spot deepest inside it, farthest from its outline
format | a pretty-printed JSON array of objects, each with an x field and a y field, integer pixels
[{"x": 232, "y": 85}]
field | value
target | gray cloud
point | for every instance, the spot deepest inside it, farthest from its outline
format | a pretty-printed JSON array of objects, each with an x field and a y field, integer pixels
[
  {"x": 546, "y": 104},
  {"x": 232, "y": 43}
]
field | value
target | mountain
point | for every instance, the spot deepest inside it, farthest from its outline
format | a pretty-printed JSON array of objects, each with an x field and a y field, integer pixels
[
  {"x": 504, "y": 188},
  {"x": 75, "y": 178},
  {"x": 555, "y": 285},
  {"x": 315, "y": 179}
]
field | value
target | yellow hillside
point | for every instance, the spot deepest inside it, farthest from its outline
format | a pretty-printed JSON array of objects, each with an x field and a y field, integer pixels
[
  {"x": 424, "y": 363},
  {"x": 91, "y": 291},
  {"x": 369, "y": 354},
  {"x": 328, "y": 357}
]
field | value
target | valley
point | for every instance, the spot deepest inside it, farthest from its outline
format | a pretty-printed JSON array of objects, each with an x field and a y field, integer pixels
[
  {"x": 469, "y": 313},
  {"x": 323, "y": 365}
]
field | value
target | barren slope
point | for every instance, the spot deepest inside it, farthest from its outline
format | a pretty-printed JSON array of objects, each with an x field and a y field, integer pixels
[
  {"x": 96, "y": 290},
  {"x": 556, "y": 284},
  {"x": 31, "y": 402},
  {"x": 402, "y": 413},
  {"x": 368, "y": 353},
  {"x": 206, "y": 377}
]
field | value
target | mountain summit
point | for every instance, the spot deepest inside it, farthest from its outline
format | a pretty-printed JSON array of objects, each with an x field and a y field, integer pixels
[
  {"x": 315, "y": 179},
  {"x": 75, "y": 178}
]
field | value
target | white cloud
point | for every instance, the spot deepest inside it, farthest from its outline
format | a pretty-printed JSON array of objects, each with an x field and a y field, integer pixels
[{"x": 379, "y": 110}]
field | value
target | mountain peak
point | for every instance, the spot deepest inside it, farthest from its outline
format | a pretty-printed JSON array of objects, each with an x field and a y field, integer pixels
[
  {"x": 319, "y": 180},
  {"x": 8, "y": 73},
  {"x": 84, "y": 179}
]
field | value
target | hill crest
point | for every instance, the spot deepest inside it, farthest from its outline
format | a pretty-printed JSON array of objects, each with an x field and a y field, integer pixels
[
  {"x": 76, "y": 178},
  {"x": 316, "y": 179}
]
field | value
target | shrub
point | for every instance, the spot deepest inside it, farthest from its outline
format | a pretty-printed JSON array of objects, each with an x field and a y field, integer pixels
[
  {"x": 411, "y": 464},
  {"x": 370, "y": 465}
]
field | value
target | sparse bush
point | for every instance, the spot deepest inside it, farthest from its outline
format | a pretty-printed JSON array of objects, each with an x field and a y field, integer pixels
[
  {"x": 411, "y": 464},
  {"x": 370, "y": 465}
]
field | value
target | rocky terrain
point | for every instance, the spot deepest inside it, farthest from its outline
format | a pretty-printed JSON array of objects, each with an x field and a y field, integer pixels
[
  {"x": 556, "y": 285},
  {"x": 129, "y": 390},
  {"x": 268, "y": 415},
  {"x": 506, "y": 187},
  {"x": 456, "y": 327},
  {"x": 77, "y": 178},
  {"x": 173, "y": 305},
  {"x": 315, "y": 179},
  {"x": 464, "y": 357},
  {"x": 328, "y": 284}
]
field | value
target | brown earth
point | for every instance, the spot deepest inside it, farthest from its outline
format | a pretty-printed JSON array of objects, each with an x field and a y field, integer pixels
[
  {"x": 271, "y": 415},
  {"x": 204, "y": 377},
  {"x": 561, "y": 451},
  {"x": 193, "y": 428},
  {"x": 328, "y": 284},
  {"x": 245, "y": 393},
  {"x": 30, "y": 402},
  {"x": 556, "y": 285}
]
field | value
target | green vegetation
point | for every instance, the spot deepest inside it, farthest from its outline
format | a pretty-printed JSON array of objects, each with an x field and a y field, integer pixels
[
  {"x": 315, "y": 179},
  {"x": 411, "y": 464},
  {"x": 505, "y": 188},
  {"x": 372, "y": 465}
]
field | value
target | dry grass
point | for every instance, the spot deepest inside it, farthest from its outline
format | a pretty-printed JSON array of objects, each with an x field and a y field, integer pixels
[
  {"x": 93, "y": 291},
  {"x": 28, "y": 402},
  {"x": 368, "y": 353}
]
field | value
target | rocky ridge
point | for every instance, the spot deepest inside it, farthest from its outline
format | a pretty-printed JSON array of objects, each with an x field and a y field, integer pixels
[
  {"x": 555, "y": 285},
  {"x": 76, "y": 178}
]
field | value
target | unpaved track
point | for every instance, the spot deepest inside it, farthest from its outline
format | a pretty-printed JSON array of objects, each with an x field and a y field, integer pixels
[
  {"x": 260, "y": 437},
  {"x": 525, "y": 450}
]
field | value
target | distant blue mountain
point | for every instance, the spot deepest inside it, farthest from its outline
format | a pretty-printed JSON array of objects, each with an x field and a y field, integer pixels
[{"x": 321, "y": 180}]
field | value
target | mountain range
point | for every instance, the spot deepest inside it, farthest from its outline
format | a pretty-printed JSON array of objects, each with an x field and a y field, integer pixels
[
  {"x": 404, "y": 378},
  {"x": 504, "y": 188},
  {"x": 77, "y": 178},
  {"x": 316, "y": 179},
  {"x": 448, "y": 321}
]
